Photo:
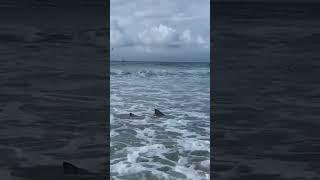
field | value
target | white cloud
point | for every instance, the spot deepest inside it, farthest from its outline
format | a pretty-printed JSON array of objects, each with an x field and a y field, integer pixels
[
  {"x": 159, "y": 36},
  {"x": 160, "y": 26},
  {"x": 118, "y": 37},
  {"x": 200, "y": 40},
  {"x": 165, "y": 36},
  {"x": 186, "y": 35}
]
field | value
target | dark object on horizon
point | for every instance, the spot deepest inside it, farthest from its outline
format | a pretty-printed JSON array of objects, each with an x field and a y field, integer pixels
[
  {"x": 158, "y": 113},
  {"x": 132, "y": 115}
]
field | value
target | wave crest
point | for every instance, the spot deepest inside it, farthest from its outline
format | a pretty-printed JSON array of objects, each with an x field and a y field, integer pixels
[{"x": 153, "y": 73}]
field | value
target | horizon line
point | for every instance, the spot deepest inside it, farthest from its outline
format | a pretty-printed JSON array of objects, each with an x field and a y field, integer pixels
[{"x": 166, "y": 61}]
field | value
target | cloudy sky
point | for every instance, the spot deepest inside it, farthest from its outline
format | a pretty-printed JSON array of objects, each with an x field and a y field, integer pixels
[{"x": 160, "y": 30}]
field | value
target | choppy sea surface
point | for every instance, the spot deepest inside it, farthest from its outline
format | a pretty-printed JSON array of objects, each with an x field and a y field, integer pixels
[
  {"x": 176, "y": 146},
  {"x": 267, "y": 96},
  {"x": 52, "y": 88}
]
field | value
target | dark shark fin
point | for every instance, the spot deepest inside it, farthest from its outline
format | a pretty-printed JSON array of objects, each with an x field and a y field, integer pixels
[
  {"x": 69, "y": 168},
  {"x": 158, "y": 113}
]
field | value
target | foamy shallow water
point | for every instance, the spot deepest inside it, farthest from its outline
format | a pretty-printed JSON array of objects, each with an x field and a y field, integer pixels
[{"x": 176, "y": 146}]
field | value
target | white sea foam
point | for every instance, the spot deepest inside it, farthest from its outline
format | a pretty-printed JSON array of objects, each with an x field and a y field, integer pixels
[
  {"x": 191, "y": 173},
  {"x": 194, "y": 144},
  {"x": 145, "y": 151},
  {"x": 205, "y": 164}
]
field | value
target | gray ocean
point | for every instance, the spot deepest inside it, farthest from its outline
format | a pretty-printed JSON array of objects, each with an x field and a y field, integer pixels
[{"x": 176, "y": 146}]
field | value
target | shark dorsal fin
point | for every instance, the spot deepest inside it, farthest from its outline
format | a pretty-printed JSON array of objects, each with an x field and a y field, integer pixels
[
  {"x": 158, "y": 113},
  {"x": 69, "y": 168}
]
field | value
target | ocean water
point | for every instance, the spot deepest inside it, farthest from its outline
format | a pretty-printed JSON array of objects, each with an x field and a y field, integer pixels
[
  {"x": 52, "y": 89},
  {"x": 267, "y": 94},
  {"x": 176, "y": 146}
]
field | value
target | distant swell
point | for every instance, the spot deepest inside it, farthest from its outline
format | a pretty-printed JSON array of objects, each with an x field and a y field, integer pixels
[{"x": 151, "y": 73}]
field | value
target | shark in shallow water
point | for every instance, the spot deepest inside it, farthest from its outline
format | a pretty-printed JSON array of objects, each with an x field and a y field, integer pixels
[{"x": 157, "y": 113}]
